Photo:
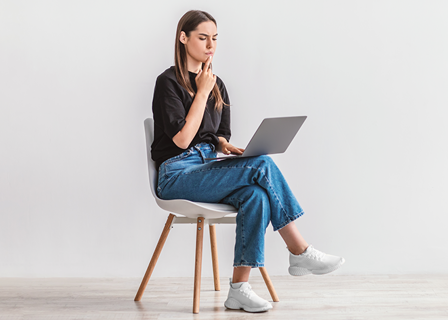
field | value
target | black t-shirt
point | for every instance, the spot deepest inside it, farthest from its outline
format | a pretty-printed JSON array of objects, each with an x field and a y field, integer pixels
[{"x": 170, "y": 105}]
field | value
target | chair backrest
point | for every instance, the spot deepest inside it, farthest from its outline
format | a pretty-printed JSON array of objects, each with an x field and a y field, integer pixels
[{"x": 152, "y": 170}]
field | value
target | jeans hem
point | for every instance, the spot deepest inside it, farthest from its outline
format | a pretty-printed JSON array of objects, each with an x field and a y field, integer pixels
[
  {"x": 248, "y": 264},
  {"x": 289, "y": 221}
]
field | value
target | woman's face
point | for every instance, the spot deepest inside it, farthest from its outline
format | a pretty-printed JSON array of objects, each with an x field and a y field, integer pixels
[{"x": 201, "y": 44}]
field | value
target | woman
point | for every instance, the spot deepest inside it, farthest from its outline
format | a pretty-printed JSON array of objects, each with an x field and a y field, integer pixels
[{"x": 191, "y": 110}]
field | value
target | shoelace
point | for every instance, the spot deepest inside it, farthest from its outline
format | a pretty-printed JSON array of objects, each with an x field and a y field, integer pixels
[
  {"x": 314, "y": 254},
  {"x": 247, "y": 291}
]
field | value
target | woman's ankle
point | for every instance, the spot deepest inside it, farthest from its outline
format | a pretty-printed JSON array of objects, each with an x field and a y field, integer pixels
[
  {"x": 241, "y": 274},
  {"x": 297, "y": 250}
]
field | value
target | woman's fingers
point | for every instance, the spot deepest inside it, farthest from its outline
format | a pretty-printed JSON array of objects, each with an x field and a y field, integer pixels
[
  {"x": 207, "y": 63},
  {"x": 205, "y": 79},
  {"x": 228, "y": 148},
  {"x": 235, "y": 150}
]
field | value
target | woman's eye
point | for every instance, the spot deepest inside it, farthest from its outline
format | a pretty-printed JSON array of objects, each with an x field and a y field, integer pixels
[{"x": 205, "y": 39}]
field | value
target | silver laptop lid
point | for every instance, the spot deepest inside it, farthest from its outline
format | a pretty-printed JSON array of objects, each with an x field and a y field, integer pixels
[{"x": 274, "y": 135}]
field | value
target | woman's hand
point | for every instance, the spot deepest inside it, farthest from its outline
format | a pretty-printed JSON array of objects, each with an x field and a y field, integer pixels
[
  {"x": 227, "y": 148},
  {"x": 205, "y": 79}
]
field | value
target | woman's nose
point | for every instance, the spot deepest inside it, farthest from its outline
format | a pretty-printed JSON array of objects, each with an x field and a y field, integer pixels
[{"x": 209, "y": 43}]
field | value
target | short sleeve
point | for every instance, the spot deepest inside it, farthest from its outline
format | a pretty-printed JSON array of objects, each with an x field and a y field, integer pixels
[
  {"x": 168, "y": 107},
  {"x": 224, "y": 126}
]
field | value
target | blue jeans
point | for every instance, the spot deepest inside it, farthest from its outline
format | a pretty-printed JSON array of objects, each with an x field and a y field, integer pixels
[{"x": 253, "y": 185}]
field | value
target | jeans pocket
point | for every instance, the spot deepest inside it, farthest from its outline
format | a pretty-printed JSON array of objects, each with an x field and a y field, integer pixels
[
  {"x": 177, "y": 158},
  {"x": 170, "y": 166}
]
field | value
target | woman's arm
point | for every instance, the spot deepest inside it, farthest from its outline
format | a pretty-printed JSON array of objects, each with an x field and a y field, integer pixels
[
  {"x": 205, "y": 80},
  {"x": 192, "y": 121}
]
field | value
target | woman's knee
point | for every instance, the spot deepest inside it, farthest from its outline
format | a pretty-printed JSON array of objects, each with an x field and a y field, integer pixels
[{"x": 265, "y": 161}]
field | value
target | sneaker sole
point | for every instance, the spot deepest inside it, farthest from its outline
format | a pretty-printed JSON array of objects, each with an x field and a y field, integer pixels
[
  {"x": 236, "y": 305},
  {"x": 299, "y": 271}
]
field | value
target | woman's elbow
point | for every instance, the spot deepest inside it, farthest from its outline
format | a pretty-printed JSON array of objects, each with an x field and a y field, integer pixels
[{"x": 181, "y": 143}]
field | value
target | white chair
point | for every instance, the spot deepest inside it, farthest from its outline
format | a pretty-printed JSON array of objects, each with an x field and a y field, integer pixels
[{"x": 199, "y": 213}]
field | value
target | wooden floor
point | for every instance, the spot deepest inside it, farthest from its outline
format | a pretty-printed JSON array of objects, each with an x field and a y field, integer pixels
[{"x": 309, "y": 297}]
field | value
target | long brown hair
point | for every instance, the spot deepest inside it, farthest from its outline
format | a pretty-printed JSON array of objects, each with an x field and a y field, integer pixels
[{"x": 188, "y": 23}]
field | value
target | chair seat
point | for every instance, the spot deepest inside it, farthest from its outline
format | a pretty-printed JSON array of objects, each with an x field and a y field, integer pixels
[{"x": 192, "y": 209}]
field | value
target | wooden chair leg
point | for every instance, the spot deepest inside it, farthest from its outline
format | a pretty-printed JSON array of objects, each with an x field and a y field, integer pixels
[
  {"x": 268, "y": 282},
  {"x": 155, "y": 257},
  {"x": 198, "y": 264},
  {"x": 214, "y": 248}
]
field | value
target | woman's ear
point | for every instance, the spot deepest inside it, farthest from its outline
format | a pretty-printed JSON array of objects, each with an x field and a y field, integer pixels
[{"x": 183, "y": 37}]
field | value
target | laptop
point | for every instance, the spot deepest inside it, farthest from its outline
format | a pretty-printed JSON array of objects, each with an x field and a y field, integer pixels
[{"x": 274, "y": 135}]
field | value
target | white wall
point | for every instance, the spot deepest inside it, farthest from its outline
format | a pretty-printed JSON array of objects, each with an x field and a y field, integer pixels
[{"x": 369, "y": 166}]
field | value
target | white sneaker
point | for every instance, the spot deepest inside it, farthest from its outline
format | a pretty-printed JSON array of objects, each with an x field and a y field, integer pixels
[
  {"x": 313, "y": 261},
  {"x": 244, "y": 298}
]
